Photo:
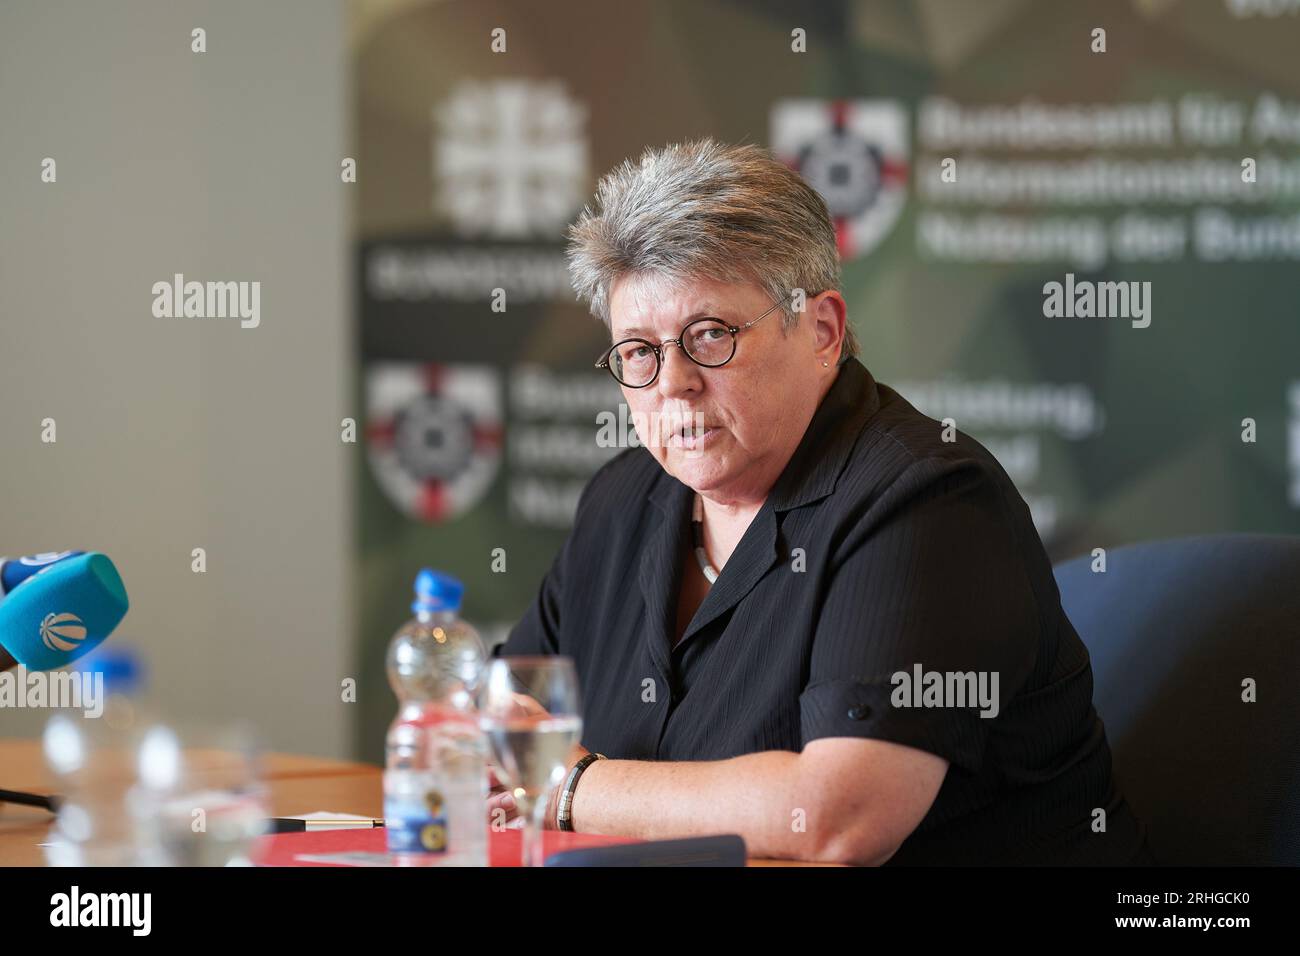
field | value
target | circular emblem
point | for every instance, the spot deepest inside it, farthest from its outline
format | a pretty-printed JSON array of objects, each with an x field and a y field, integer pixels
[
  {"x": 434, "y": 439},
  {"x": 845, "y": 169}
]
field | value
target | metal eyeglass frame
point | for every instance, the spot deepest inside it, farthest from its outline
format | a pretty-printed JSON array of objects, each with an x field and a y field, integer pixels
[{"x": 603, "y": 361}]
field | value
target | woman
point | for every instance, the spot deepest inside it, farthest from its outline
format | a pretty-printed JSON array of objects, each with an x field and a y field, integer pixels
[{"x": 802, "y": 611}]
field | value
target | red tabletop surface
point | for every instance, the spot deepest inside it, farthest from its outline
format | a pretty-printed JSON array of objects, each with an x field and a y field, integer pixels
[{"x": 505, "y": 847}]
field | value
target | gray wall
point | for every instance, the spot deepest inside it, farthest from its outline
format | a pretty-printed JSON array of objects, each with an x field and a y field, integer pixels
[{"x": 180, "y": 433}]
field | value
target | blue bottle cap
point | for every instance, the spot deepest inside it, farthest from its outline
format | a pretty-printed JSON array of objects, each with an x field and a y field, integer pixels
[
  {"x": 435, "y": 591},
  {"x": 122, "y": 667}
]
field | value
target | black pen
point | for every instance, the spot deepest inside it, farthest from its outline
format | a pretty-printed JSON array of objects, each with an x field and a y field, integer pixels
[
  {"x": 48, "y": 802},
  {"x": 294, "y": 825}
]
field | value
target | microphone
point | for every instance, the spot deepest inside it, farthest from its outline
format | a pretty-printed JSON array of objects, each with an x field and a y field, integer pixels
[
  {"x": 14, "y": 571},
  {"x": 62, "y": 611}
]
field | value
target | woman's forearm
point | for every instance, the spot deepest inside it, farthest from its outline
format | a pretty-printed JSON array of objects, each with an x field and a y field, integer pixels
[{"x": 758, "y": 796}]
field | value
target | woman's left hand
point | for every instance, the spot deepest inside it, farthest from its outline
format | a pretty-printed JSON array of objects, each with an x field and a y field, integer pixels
[{"x": 499, "y": 797}]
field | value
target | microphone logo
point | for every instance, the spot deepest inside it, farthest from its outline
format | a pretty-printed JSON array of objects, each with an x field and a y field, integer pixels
[
  {"x": 62, "y": 632},
  {"x": 45, "y": 557}
]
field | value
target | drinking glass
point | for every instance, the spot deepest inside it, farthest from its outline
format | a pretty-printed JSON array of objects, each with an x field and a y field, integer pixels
[{"x": 529, "y": 710}]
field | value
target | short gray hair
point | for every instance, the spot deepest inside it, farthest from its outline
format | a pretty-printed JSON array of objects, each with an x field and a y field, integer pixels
[{"x": 703, "y": 209}]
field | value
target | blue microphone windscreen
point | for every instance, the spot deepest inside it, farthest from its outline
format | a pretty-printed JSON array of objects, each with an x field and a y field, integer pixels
[{"x": 62, "y": 612}]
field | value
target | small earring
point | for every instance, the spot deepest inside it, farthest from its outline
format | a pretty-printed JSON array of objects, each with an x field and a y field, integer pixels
[{"x": 825, "y": 365}]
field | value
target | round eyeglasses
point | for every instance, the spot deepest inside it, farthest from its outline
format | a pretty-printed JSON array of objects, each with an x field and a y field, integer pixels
[{"x": 708, "y": 342}]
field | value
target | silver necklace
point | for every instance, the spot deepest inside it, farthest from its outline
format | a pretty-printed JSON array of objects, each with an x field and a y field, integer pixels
[{"x": 697, "y": 527}]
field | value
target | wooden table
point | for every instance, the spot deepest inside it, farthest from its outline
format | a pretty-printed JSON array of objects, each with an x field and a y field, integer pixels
[{"x": 297, "y": 784}]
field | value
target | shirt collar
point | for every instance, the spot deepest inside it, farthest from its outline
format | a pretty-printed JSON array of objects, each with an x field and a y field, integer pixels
[{"x": 819, "y": 459}]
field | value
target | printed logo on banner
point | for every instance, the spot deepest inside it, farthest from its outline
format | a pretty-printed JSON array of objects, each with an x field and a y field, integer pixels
[
  {"x": 855, "y": 154},
  {"x": 510, "y": 158},
  {"x": 433, "y": 435}
]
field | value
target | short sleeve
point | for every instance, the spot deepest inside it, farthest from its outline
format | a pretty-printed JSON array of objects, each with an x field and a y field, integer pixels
[{"x": 928, "y": 585}]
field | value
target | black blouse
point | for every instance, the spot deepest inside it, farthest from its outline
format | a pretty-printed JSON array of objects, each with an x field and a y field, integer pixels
[{"x": 881, "y": 549}]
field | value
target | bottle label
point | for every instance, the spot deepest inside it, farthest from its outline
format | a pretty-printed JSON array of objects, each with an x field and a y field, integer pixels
[{"x": 415, "y": 816}]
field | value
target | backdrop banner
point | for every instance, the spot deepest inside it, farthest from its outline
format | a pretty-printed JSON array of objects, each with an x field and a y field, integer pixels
[{"x": 1080, "y": 247}]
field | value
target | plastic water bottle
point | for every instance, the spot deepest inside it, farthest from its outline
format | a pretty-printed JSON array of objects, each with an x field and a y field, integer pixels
[
  {"x": 435, "y": 779},
  {"x": 94, "y": 760}
]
